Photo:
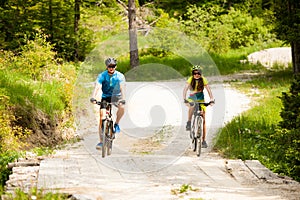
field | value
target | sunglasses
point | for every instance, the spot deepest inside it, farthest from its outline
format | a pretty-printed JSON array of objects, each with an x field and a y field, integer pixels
[
  {"x": 196, "y": 73},
  {"x": 111, "y": 66}
]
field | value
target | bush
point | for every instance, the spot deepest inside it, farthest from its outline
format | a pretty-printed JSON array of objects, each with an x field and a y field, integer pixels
[
  {"x": 5, "y": 158},
  {"x": 291, "y": 106},
  {"x": 219, "y": 30},
  {"x": 288, "y": 136},
  {"x": 10, "y": 135}
]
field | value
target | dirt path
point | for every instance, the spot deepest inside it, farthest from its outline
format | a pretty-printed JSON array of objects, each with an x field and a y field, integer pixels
[{"x": 151, "y": 157}]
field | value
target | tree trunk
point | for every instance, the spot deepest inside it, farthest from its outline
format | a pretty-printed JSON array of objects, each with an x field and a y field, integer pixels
[
  {"x": 296, "y": 56},
  {"x": 133, "y": 46},
  {"x": 76, "y": 27}
]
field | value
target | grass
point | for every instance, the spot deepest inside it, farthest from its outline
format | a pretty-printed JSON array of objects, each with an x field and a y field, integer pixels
[
  {"x": 148, "y": 145},
  {"x": 255, "y": 134},
  {"x": 36, "y": 194},
  {"x": 172, "y": 66},
  {"x": 184, "y": 188},
  {"x": 47, "y": 96}
]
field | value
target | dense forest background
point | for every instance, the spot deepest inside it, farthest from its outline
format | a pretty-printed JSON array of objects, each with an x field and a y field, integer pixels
[
  {"x": 44, "y": 42},
  {"x": 74, "y": 27}
]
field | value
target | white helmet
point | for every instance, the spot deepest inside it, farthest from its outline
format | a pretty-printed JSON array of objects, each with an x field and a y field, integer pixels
[{"x": 110, "y": 61}]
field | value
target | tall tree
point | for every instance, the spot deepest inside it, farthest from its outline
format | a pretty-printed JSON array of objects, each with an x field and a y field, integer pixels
[
  {"x": 287, "y": 13},
  {"x": 133, "y": 46}
]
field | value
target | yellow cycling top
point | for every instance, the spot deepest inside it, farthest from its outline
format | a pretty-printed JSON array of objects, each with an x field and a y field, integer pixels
[{"x": 189, "y": 81}]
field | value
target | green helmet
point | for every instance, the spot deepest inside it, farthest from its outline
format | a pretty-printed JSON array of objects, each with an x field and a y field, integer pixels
[{"x": 197, "y": 68}]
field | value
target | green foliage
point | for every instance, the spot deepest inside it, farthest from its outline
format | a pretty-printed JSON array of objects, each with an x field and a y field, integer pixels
[
  {"x": 288, "y": 20},
  {"x": 165, "y": 21},
  {"x": 245, "y": 30},
  {"x": 5, "y": 158},
  {"x": 103, "y": 21},
  {"x": 184, "y": 188},
  {"x": 36, "y": 194},
  {"x": 255, "y": 134},
  {"x": 37, "y": 78},
  {"x": 10, "y": 134},
  {"x": 289, "y": 135},
  {"x": 55, "y": 18},
  {"x": 33, "y": 83},
  {"x": 219, "y": 30},
  {"x": 41, "y": 151},
  {"x": 291, "y": 106},
  {"x": 37, "y": 56}
]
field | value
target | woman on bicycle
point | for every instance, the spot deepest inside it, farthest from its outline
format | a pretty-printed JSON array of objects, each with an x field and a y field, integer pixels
[
  {"x": 196, "y": 84},
  {"x": 112, "y": 84}
]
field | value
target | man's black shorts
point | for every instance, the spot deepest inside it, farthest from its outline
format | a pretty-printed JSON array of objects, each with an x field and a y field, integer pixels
[{"x": 114, "y": 100}]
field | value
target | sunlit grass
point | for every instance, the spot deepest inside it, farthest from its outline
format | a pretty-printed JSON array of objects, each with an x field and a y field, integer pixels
[
  {"x": 47, "y": 96},
  {"x": 253, "y": 134}
]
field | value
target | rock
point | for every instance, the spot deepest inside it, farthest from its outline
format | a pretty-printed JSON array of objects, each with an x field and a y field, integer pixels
[{"x": 269, "y": 57}]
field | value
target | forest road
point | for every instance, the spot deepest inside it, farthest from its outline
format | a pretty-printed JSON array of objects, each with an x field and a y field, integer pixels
[{"x": 151, "y": 157}]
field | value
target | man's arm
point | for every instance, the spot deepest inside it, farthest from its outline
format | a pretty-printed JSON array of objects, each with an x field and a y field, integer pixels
[{"x": 96, "y": 90}]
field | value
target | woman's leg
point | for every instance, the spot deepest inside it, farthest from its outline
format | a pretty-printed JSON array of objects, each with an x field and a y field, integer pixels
[
  {"x": 190, "y": 113},
  {"x": 204, "y": 127}
]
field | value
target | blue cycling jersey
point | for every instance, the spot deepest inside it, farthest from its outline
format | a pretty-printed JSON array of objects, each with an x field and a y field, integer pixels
[{"x": 110, "y": 83}]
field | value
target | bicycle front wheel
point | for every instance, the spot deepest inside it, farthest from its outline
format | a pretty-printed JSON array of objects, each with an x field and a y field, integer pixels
[
  {"x": 193, "y": 133},
  {"x": 110, "y": 139},
  {"x": 104, "y": 139},
  {"x": 199, "y": 136}
]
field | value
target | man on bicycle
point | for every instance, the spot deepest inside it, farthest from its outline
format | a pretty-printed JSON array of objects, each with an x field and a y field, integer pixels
[
  {"x": 196, "y": 84},
  {"x": 112, "y": 84}
]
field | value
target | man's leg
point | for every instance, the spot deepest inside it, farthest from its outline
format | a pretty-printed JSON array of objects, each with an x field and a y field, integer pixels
[
  {"x": 102, "y": 113},
  {"x": 120, "y": 113}
]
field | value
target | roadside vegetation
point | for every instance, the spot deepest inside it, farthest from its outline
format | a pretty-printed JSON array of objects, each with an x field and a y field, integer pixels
[
  {"x": 35, "y": 98},
  {"x": 269, "y": 131},
  {"x": 38, "y": 70}
]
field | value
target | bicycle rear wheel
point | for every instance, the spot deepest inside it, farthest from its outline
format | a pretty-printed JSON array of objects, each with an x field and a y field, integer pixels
[
  {"x": 199, "y": 136},
  {"x": 104, "y": 139}
]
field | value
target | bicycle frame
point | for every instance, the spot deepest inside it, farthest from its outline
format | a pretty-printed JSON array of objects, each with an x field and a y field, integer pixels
[
  {"x": 197, "y": 127},
  {"x": 107, "y": 134}
]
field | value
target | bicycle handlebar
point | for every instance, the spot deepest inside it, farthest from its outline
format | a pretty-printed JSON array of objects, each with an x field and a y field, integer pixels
[
  {"x": 94, "y": 101},
  {"x": 203, "y": 103}
]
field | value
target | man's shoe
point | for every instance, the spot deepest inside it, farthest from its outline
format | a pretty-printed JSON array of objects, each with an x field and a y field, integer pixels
[
  {"x": 117, "y": 128},
  {"x": 204, "y": 144},
  {"x": 99, "y": 145},
  {"x": 188, "y": 126}
]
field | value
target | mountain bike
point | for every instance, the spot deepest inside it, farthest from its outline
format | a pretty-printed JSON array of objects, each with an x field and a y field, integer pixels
[
  {"x": 107, "y": 134},
  {"x": 196, "y": 131}
]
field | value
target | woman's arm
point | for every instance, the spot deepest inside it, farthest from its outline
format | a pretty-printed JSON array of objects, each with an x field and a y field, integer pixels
[
  {"x": 209, "y": 92},
  {"x": 185, "y": 90}
]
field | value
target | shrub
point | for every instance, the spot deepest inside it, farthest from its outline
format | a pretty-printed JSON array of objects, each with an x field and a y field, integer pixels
[
  {"x": 10, "y": 135},
  {"x": 219, "y": 30},
  {"x": 291, "y": 106},
  {"x": 36, "y": 57},
  {"x": 288, "y": 137}
]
